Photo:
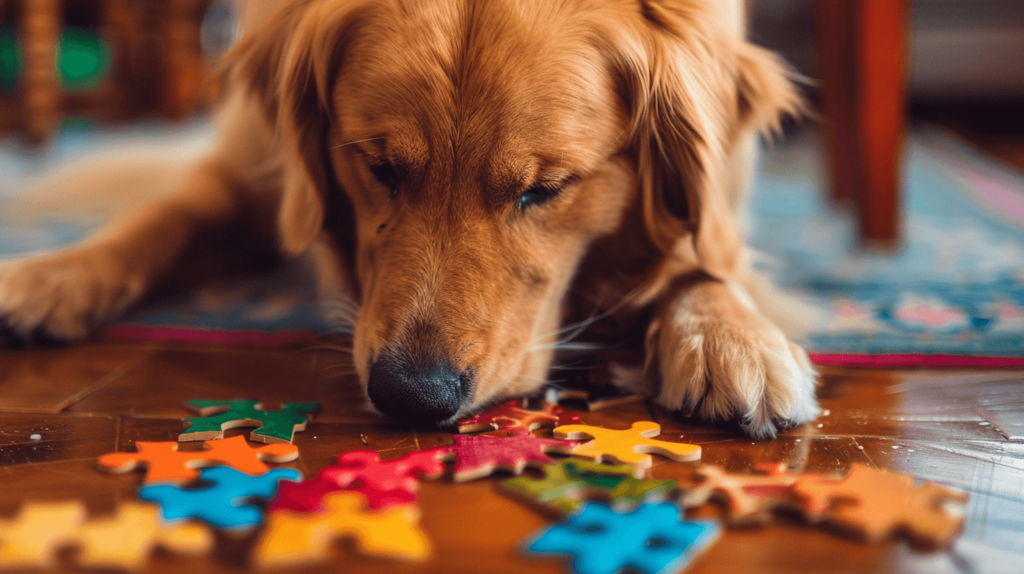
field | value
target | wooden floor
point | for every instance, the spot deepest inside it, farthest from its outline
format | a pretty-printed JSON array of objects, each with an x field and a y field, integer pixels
[{"x": 965, "y": 429}]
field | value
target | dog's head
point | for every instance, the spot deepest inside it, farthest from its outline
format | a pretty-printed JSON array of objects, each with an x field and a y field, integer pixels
[{"x": 458, "y": 158}]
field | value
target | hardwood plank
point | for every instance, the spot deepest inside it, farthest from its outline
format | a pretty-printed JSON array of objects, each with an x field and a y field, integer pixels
[
  {"x": 160, "y": 385},
  {"x": 64, "y": 480},
  {"x": 61, "y": 438},
  {"x": 50, "y": 380}
]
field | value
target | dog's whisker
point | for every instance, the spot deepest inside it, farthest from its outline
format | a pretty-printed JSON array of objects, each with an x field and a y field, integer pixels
[
  {"x": 355, "y": 142},
  {"x": 340, "y": 348},
  {"x": 340, "y": 305},
  {"x": 340, "y": 315},
  {"x": 568, "y": 346},
  {"x": 576, "y": 329},
  {"x": 342, "y": 370},
  {"x": 570, "y": 368}
]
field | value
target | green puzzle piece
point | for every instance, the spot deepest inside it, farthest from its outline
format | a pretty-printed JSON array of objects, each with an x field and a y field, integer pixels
[
  {"x": 568, "y": 485},
  {"x": 271, "y": 426}
]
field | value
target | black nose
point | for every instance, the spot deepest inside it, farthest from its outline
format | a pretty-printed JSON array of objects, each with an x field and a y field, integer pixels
[{"x": 416, "y": 393}]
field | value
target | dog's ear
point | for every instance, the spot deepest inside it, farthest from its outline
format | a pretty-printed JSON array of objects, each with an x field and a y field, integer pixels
[
  {"x": 289, "y": 63},
  {"x": 693, "y": 88}
]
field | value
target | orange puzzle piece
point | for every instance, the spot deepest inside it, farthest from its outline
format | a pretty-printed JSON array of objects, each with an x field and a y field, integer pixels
[
  {"x": 166, "y": 464},
  {"x": 749, "y": 498},
  {"x": 630, "y": 446},
  {"x": 291, "y": 538},
  {"x": 875, "y": 504},
  {"x": 123, "y": 541}
]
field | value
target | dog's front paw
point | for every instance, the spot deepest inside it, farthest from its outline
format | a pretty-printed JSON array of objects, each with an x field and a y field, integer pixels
[
  {"x": 62, "y": 296},
  {"x": 721, "y": 360}
]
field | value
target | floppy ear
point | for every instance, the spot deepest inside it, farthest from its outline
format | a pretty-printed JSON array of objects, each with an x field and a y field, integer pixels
[
  {"x": 289, "y": 63},
  {"x": 692, "y": 89}
]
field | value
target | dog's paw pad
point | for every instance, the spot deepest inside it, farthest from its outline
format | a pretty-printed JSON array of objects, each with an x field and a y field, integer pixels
[{"x": 717, "y": 374}]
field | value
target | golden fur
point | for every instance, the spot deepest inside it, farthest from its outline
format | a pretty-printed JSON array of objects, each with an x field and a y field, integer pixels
[{"x": 637, "y": 115}]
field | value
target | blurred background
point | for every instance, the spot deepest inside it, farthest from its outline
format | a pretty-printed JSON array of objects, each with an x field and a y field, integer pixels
[
  {"x": 896, "y": 210},
  {"x": 107, "y": 60}
]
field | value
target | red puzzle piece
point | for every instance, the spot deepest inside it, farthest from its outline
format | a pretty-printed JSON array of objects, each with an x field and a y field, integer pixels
[
  {"x": 166, "y": 464},
  {"x": 479, "y": 456},
  {"x": 511, "y": 417},
  {"x": 385, "y": 484}
]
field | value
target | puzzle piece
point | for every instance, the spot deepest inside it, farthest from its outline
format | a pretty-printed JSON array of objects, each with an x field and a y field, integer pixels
[
  {"x": 749, "y": 498},
  {"x": 292, "y": 538},
  {"x": 510, "y": 417},
  {"x": 650, "y": 540},
  {"x": 479, "y": 456},
  {"x": 271, "y": 426},
  {"x": 384, "y": 484},
  {"x": 124, "y": 540},
  {"x": 569, "y": 484},
  {"x": 39, "y": 530},
  {"x": 631, "y": 446},
  {"x": 226, "y": 503},
  {"x": 875, "y": 504},
  {"x": 165, "y": 464}
]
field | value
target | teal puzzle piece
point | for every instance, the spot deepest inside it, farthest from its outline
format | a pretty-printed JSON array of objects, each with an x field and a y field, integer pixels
[
  {"x": 271, "y": 426},
  {"x": 650, "y": 540},
  {"x": 227, "y": 502}
]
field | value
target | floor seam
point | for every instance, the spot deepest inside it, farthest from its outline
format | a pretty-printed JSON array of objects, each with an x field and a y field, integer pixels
[{"x": 104, "y": 381}]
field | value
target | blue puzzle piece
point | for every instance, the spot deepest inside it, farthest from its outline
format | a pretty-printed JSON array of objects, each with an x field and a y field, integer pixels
[
  {"x": 650, "y": 540},
  {"x": 227, "y": 503}
]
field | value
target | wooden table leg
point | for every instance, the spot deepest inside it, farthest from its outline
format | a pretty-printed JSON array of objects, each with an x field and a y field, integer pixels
[
  {"x": 41, "y": 27},
  {"x": 881, "y": 51},
  {"x": 862, "y": 48},
  {"x": 838, "y": 70},
  {"x": 185, "y": 68},
  {"x": 119, "y": 30}
]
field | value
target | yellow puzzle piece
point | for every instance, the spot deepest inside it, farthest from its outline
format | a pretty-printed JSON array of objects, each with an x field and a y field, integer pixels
[
  {"x": 292, "y": 538},
  {"x": 123, "y": 541},
  {"x": 34, "y": 536},
  {"x": 630, "y": 446}
]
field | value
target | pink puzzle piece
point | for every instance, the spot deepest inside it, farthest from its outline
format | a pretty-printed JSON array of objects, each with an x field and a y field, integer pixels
[
  {"x": 510, "y": 417},
  {"x": 479, "y": 456},
  {"x": 385, "y": 484}
]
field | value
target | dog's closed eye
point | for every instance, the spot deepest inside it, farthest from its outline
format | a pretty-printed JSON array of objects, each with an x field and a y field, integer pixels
[
  {"x": 542, "y": 192},
  {"x": 386, "y": 175}
]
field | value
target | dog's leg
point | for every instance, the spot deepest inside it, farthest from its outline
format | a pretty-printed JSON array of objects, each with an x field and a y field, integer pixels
[
  {"x": 720, "y": 359},
  {"x": 213, "y": 222}
]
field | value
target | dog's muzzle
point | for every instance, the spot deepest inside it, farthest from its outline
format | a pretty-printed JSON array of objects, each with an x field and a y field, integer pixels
[{"x": 416, "y": 392}]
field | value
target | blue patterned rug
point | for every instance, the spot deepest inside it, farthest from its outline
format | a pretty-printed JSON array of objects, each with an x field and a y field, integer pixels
[{"x": 955, "y": 288}]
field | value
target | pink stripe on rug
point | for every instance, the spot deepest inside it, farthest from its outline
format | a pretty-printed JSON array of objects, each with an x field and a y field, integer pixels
[
  {"x": 912, "y": 360},
  {"x": 204, "y": 336}
]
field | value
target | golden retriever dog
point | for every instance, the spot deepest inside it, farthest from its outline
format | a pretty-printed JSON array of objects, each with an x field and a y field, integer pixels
[{"x": 478, "y": 178}]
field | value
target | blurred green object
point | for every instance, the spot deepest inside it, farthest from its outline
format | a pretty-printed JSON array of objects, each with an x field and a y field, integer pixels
[
  {"x": 10, "y": 58},
  {"x": 83, "y": 59}
]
